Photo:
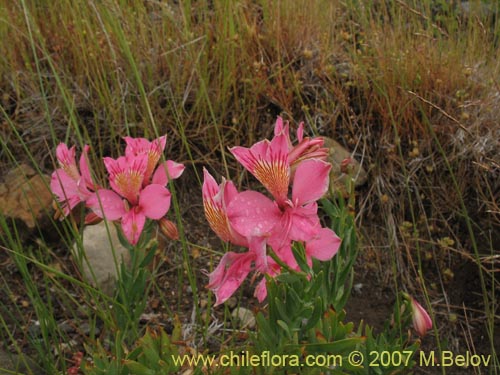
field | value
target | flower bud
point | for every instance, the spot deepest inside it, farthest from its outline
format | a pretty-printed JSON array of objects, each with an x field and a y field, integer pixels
[
  {"x": 169, "y": 229},
  {"x": 421, "y": 319},
  {"x": 92, "y": 219}
]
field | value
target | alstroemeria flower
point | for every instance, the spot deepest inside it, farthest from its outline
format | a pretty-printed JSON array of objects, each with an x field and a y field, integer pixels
[
  {"x": 153, "y": 150},
  {"x": 422, "y": 322},
  {"x": 128, "y": 200},
  {"x": 253, "y": 214},
  {"x": 253, "y": 220},
  {"x": 71, "y": 184}
]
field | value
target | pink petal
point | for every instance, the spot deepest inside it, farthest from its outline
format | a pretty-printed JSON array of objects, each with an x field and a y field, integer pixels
[
  {"x": 304, "y": 222},
  {"x": 300, "y": 132},
  {"x": 84, "y": 168},
  {"x": 268, "y": 162},
  {"x": 126, "y": 175},
  {"x": 132, "y": 225},
  {"x": 136, "y": 146},
  {"x": 229, "y": 274},
  {"x": 230, "y": 192},
  {"x": 210, "y": 187},
  {"x": 311, "y": 181},
  {"x": 286, "y": 255},
  {"x": 252, "y": 214},
  {"x": 261, "y": 290},
  {"x": 422, "y": 322},
  {"x": 215, "y": 198},
  {"x": 257, "y": 246},
  {"x": 278, "y": 126},
  {"x": 154, "y": 201},
  {"x": 107, "y": 204},
  {"x": 217, "y": 276},
  {"x": 66, "y": 158},
  {"x": 324, "y": 246},
  {"x": 174, "y": 171},
  {"x": 64, "y": 155},
  {"x": 62, "y": 185}
]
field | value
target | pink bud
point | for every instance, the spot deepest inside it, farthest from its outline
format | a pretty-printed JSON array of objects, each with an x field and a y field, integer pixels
[
  {"x": 421, "y": 319},
  {"x": 92, "y": 219},
  {"x": 169, "y": 229}
]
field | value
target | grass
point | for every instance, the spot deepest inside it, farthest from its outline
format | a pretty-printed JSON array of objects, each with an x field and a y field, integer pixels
[{"x": 411, "y": 87}]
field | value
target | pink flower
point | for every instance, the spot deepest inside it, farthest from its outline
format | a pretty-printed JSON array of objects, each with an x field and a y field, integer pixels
[
  {"x": 252, "y": 220},
  {"x": 71, "y": 184},
  {"x": 153, "y": 150},
  {"x": 233, "y": 267},
  {"x": 422, "y": 322},
  {"x": 133, "y": 197},
  {"x": 253, "y": 214}
]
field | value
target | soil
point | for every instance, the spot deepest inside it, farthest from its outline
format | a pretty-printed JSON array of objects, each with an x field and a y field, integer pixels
[{"x": 372, "y": 297}]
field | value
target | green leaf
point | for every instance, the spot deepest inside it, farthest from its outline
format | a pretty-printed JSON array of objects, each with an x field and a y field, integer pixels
[
  {"x": 339, "y": 346},
  {"x": 137, "y": 369},
  {"x": 316, "y": 315}
]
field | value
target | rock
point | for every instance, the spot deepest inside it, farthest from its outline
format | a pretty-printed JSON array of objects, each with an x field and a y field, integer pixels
[
  {"x": 245, "y": 316},
  {"x": 336, "y": 155},
  {"x": 25, "y": 195},
  {"x": 18, "y": 364},
  {"x": 99, "y": 266}
]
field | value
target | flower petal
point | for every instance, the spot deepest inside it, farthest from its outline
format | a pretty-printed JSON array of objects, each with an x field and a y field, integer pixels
[
  {"x": 174, "y": 171},
  {"x": 84, "y": 168},
  {"x": 107, "y": 204},
  {"x": 229, "y": 274},
  {"x": 268, "y": 162},
  {"x": 311, "y": 181},
  {"x": 63, "y": 185},
  {"x": 261, "y": 290},
  {"x": 252, "y": 214},
  {"x": 324, "y": 246},
  {"x": 66, "y": 158},
  {"x": 132, "y": 225},
  {"x": 304, "y": 222},
  {"x": 154, "y": 201}
]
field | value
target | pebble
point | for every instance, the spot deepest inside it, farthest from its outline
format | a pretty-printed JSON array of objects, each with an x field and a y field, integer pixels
[{"x": 245, "y": 316}]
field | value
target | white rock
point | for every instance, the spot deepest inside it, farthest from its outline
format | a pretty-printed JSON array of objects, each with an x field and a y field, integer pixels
[
  {"x": 245, "y": 316},
  {"x": 99, "y": 265}
]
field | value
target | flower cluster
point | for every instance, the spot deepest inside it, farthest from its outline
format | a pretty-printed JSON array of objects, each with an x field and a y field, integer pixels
[
  {"x": 138, "y": 185},
  {"x": 253, "y": 220}
]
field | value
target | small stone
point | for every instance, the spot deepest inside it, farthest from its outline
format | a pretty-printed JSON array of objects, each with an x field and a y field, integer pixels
[
  {"x": 245, "y": 316},
  {"x": 25, "y": 195},
  {"x": 66, "y": 327},
  {"x": 336, "y": 155},
  {"x": 86, "y": 329},
  {"x": 99, "y": 262}
]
